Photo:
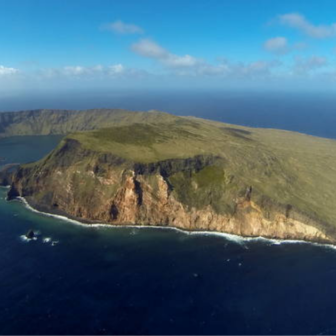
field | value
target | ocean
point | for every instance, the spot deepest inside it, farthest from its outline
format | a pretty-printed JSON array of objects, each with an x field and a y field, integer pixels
[
  {"x": 307, "y": 112},
  {"x": 76, "y": 279}
]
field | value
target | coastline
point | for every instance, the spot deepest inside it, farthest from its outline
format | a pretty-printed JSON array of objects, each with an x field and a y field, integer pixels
[{"x": 231, "y": 237}]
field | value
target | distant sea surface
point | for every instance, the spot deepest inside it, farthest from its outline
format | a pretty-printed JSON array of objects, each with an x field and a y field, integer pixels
[
  {"x": 311, "y": 113},
  {"x": 77, "y": 279}
]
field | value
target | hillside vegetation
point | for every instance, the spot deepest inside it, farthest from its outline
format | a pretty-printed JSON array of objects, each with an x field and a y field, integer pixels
[
  {"x": 288, "y": 167},
  {"x": 45, "y": 122},
  {"x": 204, "y": 163}
]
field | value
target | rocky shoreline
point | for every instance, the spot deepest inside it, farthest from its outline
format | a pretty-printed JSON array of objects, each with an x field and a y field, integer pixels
[
  {"x": 186, "y": 173},
  {"x": 135, "y": 204},
  {"x": 229, "y": 236}
]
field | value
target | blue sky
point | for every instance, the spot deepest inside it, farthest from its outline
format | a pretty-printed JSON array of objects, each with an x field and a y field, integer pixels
[{"x": 58, "y": 44}]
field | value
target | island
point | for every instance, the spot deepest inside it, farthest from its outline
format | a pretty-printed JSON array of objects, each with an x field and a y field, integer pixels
[{"x": 156, "y": 169}]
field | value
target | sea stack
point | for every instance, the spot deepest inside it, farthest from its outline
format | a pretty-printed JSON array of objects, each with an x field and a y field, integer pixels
[{"x": 30, "y": 234}]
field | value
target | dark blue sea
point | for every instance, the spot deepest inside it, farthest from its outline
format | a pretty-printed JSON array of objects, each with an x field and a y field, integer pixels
[{"x": 77, "y": 279}]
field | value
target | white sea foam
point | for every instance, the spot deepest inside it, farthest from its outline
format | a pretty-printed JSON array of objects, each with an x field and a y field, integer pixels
[
  {"x": 24, "y": 238},
  {"x": 28, "y": 206},
  {"x": 46, "y": 240},
  {"x": 228, "y": 236}
]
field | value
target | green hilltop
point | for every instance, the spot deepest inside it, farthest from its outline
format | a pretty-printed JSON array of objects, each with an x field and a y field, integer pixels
[
  {"x": 287, "y": 168},
  {"x": 46, "y": 122}
]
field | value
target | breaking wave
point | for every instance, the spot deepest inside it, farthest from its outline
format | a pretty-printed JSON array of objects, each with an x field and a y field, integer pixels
[{"x": 228, "y": 236}]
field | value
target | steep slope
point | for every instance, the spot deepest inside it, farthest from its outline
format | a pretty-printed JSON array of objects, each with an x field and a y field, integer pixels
[{"x": 192, "y": 174}]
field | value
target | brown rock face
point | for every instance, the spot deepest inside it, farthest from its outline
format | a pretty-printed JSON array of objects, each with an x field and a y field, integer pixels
[
  {"x": 137, "y": 203},
  {"x": 196, "y": 193},
  {"x": 111, "y": 190}
]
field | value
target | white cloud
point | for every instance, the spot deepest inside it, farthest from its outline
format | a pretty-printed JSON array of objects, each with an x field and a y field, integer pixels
[
  {"x": 304, "y": 66},
  {"x": 4, "y": 71},
  {"x": 84, "y": 72},
  {"x": 150, "y": 49},
  {"x": 277, "y": 45},
  {"x": 94, "y": 70},
  {"x": 188, "y": 65},
  {"x": 74, "y": 70},
  {"x": 299, "y": 22},
  {"x": 252, "y": 70},
  {"x": 185, "y": 61},
  {"x": 120, "y": 27},
  {"x": 116, "y": 69},
  {"x": 280, "y": 46}
]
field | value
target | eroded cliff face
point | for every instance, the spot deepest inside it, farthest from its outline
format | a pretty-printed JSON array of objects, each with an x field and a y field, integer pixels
[
  {"x": 196, "y": 193},
  {"x": 137, "y": 202}
]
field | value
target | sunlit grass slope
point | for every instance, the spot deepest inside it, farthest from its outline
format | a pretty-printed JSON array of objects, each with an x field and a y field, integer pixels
[{"x": 288, "y": 167}]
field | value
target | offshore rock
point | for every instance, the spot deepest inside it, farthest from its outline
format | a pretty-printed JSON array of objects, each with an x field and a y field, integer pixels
[{"x": 30, "y": 234}]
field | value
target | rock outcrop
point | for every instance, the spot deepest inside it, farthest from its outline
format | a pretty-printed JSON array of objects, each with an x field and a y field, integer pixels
[
  {"x": 98, "y": 187},
  {"x": 30, "y": 234},
  {"x": 153, "y": 168}
]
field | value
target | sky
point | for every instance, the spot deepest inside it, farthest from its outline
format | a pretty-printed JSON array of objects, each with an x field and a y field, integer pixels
[{"x": 55, "y": 45}]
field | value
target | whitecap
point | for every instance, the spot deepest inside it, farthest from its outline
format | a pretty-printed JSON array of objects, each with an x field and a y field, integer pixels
[
  {"x": 28, "y": 206},
  {"x": 228, "y": 236},
  {"x": 24, "y": 238},
  {"x": 231, "y": 237}
]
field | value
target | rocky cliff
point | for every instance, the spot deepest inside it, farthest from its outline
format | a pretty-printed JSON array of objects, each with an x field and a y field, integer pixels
[{"x": 188, "y": 174}]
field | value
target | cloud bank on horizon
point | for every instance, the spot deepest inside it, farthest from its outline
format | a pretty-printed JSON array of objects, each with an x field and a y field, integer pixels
[{"x": 290, "y": 49}]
